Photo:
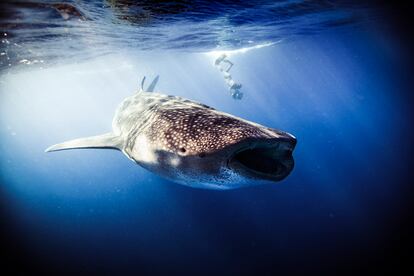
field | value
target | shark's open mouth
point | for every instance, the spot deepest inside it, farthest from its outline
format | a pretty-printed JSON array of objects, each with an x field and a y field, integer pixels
[{"x": 272, "y": 161}]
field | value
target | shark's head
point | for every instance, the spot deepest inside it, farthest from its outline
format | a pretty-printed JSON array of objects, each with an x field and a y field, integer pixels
[{"x": 205, "y": 148}]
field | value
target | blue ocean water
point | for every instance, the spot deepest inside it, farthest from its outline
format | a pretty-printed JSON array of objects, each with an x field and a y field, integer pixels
[{"x": 336, "y": 75}]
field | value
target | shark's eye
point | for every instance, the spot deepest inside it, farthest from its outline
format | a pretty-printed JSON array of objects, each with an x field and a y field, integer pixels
[
  {"x": 202, "y": 155},
  {"x": 182, "y": 150}
]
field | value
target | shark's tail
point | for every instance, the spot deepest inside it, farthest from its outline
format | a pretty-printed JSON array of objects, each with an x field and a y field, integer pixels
[
  {"x": 151, "y": 87},
  {"x": 108, "y": 140}
]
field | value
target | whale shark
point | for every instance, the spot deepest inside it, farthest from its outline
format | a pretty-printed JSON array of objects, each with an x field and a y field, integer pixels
[{"x": 193, "y": 144}]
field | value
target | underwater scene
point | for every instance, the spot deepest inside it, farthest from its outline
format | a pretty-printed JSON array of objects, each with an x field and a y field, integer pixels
[{"x": 205, "y": 137}]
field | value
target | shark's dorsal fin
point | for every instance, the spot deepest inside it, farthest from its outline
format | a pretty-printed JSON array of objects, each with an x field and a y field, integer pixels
[
  {"x": 154, "y": 82},
  {"x": 151, "y": 87},
  {"x": 108, "y": 140}
]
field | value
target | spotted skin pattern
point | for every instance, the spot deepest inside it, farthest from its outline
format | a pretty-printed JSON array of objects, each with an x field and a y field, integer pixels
[{"x": 182, "y": 126}]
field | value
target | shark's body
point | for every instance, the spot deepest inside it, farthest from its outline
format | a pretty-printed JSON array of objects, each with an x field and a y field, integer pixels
[{"x": 193, "y": 144}]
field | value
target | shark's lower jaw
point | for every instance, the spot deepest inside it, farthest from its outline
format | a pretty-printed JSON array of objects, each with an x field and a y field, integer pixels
[{"x": 267, "y": 160}]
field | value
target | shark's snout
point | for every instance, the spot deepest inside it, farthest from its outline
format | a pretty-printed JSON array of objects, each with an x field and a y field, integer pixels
[{"x": 267, "y": 158}]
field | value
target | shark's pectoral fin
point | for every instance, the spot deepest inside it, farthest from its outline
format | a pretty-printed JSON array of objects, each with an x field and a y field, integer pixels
[{"x": 108, "y": 140}]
